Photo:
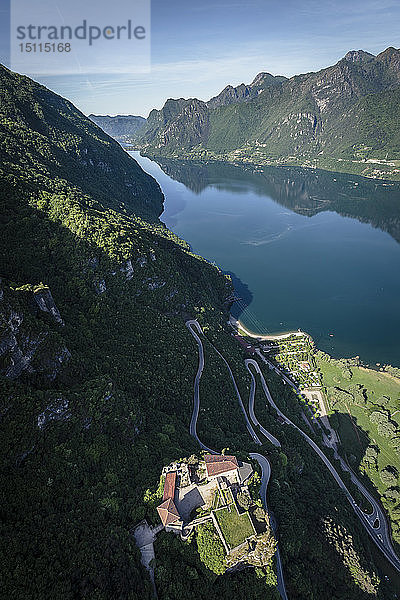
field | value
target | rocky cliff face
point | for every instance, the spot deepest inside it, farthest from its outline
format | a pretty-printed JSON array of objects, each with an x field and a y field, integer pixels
[
  {"x": 45, "y": 302},
  {"x": 358, "y": 56},
  {"x": 28, "y": 345},
  {"x": 243, "y": 92},
  {"x": 190, "y": 128}
]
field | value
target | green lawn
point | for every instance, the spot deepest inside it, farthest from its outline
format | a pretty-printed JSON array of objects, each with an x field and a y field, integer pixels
[
  {"x": 357, "y": 432},
  {"x": 354, "y": 434},
  {"x": 377, "y": 382},
  {"x": 235, "y": 528},
  {"x": 354, "y": 444}
]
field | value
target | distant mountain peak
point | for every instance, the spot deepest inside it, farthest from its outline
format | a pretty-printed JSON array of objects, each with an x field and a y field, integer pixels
[
  {"x": 388, "y": 55},
  {"x": 357, "y": 56},
  {"x": 390, "y": 50},
  {"x": 261, "y": 78},
  {"x": 120, "y": 127},
  {"x": 92, "y": 116}
]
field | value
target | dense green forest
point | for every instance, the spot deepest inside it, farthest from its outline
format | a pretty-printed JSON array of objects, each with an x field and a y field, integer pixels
[
  {"x": 84, "y": 434},
  {"x": 97, "y": 372}
]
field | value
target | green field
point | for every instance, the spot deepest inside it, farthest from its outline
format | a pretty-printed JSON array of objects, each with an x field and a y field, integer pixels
[
  {"x": 377, "y": 382},
  {"x": 355, "y": 395},
  {"x": 235, "y": 528}
]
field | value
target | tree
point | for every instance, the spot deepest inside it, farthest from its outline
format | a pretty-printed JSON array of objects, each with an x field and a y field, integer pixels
[
  {"x": 338, "y": 395},
  {"x": 260, "y": 514},
  {"x": 393, "y": 494},
  {"x": 210, "y": 548},
  {"x": 244, "y": 500},
  {"x": 283, "y": 458},
  {"x": 383, "y": 400},
  {"x": 371, "y": 455},
  {"x": 389, "y": 475},
  {"x": 379, "y": 416},
  {"x": 387, "y": 429},
  {"x": 193, "y": 460},
  {"x": 347, "y": 373}
]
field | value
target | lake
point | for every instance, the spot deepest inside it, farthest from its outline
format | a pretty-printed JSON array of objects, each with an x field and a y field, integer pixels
[{"x": 306, "y": 249}]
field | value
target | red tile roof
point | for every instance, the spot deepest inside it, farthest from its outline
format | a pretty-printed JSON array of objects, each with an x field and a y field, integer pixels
[
  {"x": 217, "y": 464},
  {"x": 169, "y": 485},
  {"x": 168, "y": 512}
]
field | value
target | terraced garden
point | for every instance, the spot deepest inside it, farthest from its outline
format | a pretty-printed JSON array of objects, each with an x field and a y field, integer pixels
[{"x": 235, "y": 527}]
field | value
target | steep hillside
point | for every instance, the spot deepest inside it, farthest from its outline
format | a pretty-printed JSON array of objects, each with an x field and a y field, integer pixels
[
  {"x": 121, "y": 127},
  {"x": 96, "y": 363},
  {"x": 181, "y": 123},
  {"x": 343, "y": 118},
  {"x": 47, "y": 142}
]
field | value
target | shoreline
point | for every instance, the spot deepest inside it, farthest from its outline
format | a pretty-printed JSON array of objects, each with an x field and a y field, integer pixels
[
  {"x": 278, "y": 163},
  {"x": 299, "y": 332},
  {"x": 277, "y": 336}
]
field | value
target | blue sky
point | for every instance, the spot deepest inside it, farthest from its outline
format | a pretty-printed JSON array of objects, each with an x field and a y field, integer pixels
[{"x": 198, "y": 47}]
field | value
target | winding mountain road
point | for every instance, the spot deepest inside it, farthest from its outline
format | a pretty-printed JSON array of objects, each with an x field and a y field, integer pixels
[
  {"x": 375, "y": 523},
  {"x": 377, "y": 512},
  {"x": 265, "y": 476},
  {"x": 196, "y": 388},
  {"x": 379, "y": 534},
  {"x": 195, "y": 330},
  {"x": 190, "y": 324},
  {"x": 253, "y": 417}
]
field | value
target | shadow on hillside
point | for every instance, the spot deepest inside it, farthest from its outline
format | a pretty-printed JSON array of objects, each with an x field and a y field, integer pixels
[
  {"x": 242, "y": 293},
  {"x": 354, "y": 440}
]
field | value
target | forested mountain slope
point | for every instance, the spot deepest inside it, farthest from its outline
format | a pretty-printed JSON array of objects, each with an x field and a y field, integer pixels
[
  {"x": 96, "y": 363},
  {"x": 47, "y": 142}
]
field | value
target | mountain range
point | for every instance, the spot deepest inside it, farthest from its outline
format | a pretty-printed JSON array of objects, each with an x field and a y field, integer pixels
[
  {"x": 120, "y": 127},
  {"x": 342, "y": 118}
]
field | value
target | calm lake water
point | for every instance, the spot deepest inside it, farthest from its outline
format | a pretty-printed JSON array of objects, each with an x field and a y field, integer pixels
[{"x": 306, "y": 249}]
